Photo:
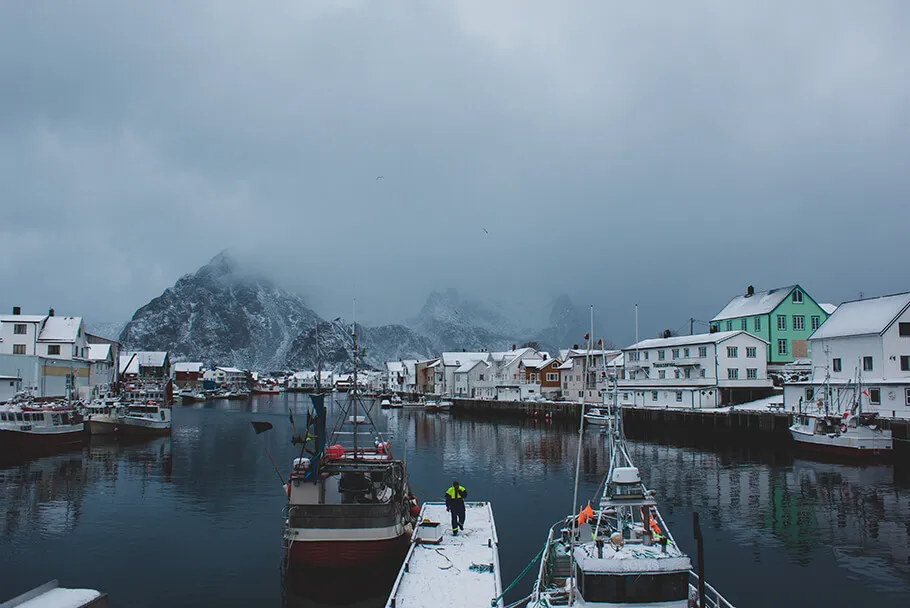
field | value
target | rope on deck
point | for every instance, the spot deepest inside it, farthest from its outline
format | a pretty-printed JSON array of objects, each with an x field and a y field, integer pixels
[{"x": 495, "y": 600}]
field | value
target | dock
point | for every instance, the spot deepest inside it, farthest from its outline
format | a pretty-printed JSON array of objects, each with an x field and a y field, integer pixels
[
  {"x": 445, "y": 570},
  {"x": 52, "y": 595}
]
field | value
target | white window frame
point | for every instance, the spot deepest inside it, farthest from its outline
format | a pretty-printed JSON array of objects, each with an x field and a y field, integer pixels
[
  {"x": 679, "y": 396},
  {"x": 702, "y": 352},
  {"x": 757, "y": 323},
  {"x": 781, "y": 346},
  {"x": 732, "y": 373},
  {"x": 781, "y": 322},
  {"x": 797, "y": 296},
  {"x": 816, "y": 321},
  {"x": 751, "y": 352},
  {"x": 799, "y": 322},
  {"x": 703, "y": 373},
  {"x": 871, "y": 364},
  {"x": 661, "y": 355},
  {"x": 875, "y": 401},
  {"x": 17, "y": 327},
  {"x": 744, "y": 325},
  {"x": 730, "y": 325},
  {"x": 653, "y": 395},
  {"x": 732, "y": 352},
  {"x": 751, "y": 373},
  {"x": 686, "y": 353},
  {"x": 662, "y": 374},
  {"x": 676, "y": 353}
]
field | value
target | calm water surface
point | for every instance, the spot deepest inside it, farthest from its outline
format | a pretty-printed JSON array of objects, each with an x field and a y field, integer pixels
[{"x": 195, "y": 519}]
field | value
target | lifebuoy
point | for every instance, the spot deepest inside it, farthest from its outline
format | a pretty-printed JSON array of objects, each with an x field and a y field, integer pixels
[{"x": 843, "y": 427}]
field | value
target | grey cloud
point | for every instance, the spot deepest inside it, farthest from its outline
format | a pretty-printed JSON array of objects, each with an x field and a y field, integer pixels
[{"x": 618, "y": 153}]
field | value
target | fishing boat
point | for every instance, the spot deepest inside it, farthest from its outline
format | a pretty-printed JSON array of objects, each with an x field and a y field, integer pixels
[
  {"x": 385, "y": 403},
  {"x": 266, "y": 389},
  {"x": 597, "y": 416},
  {"x": 148, "y": 418},
  {"x": 102, "y": 415},
  {"x": 25, "y": 425},
  {"x": 348, "y": 496},
  {"x": 431, "y": 405},
  {"x": 192, "y": 396},
  {"x": 620, "y": 553},
  {"x": 841, "y": 427}
]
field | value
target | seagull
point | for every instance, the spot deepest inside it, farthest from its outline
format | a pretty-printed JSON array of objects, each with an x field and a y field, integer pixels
[
  {"x": 380, "y": 177},
  {"x": 485, "y": 230}
]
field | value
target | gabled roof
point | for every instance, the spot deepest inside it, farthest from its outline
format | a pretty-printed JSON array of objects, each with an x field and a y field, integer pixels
[
  {"x": 828, "y": 308},
  {"x": 394, "y": 366},
  {"x": 151, "y": 358},
  {"x": 714, "y": 338},
  {"x": 99, "y": 352},
  {"x": 60, "y": 329},
  {"x": 469, "y": 365},
  {"x": 435, "y": 363},
  {"x": 188, "y": 366},
  {"x": 230, "y": 370},
  {"x": 567, "y": 364},
  {"x": 863, "y": 317},
  {"x": 456, "y": 358},
  {"x": 128, "y": 364},
  {"x": 618, "y": 361},
  {"x": 759, "y": 303}
]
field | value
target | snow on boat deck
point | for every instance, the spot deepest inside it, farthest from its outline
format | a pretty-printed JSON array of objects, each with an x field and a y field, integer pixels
[{"x": 441, "y": 574}]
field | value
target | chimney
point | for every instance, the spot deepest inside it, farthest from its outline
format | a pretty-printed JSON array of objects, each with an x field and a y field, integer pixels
[
  {"x": 17, "y": 310},
  {"x": 50, "y": 313},
  {"x": 667, "y": 333},
  {"x": 513, "y": 347},
  {"x": 574, "y": 347},
  {"x": 750, "y": 291}
]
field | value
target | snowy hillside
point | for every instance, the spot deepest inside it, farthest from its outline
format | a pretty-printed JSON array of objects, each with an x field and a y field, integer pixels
[
  {"x": 377, "y": 345},
  {"x": 111, "y": 331}
]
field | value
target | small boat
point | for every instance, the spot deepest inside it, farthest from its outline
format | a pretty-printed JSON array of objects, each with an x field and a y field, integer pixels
[
  {"x": 385, "y": 404},
  {"x": 52, "y": 595},
  {"x": 35, "y": 425},
  {"x": 265, "y": 389},
  {"x": 597, "y": 416},
  {"x": 192, "y": 396},
  {"x": 851, "y": 433},
  {"x": 102, "y": 415},
  {"x": 146, "y": 419},
  {"x": 396, "y": 401},
  {"x": 238, "y": 394},
  {"x": 431, "y": 405},
  {"x": 444, "y": 405}
]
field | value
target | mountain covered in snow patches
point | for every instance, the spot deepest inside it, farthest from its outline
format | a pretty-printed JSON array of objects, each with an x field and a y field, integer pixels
[
  {"x": 221, "y": 315},
  {"x": 376, "y": 345}
]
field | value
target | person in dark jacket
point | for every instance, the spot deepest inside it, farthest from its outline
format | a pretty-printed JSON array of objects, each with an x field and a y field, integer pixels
[{"x": 455, "y": 496}]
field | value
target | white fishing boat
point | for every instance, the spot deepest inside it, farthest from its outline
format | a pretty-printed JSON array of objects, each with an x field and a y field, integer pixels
[
  {"x": 427, "y": 579},
  {"x": 146, "y": 419},
  {"x": 385, "y": 403},
  {"x": 102, "y": 415},
  {"x": 597, "y": 416},
  {"x": 841, "y": 428},
  {"x": 444, "y": 405},
  {"x": 431, "y": 405}
]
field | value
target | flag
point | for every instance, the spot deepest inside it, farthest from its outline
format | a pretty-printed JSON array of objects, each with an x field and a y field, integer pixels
[
  {"x": 589, "y": 512},
  {"x": 582, "y": 518},
  {"x": 600, "y": 341},
  {"x": 587, "y": 336},
  {"x": 260, "y": 426}
]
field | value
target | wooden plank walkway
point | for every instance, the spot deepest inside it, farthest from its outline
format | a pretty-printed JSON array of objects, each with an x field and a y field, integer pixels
[{"x": 460, "y": 570}]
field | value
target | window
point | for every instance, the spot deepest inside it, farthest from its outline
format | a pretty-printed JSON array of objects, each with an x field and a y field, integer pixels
[
  {"x": 799, "y": 322},
  {"x": 702, "y": 352},
  {"x": 867, "y": 364},
  {"x": 816, "y": 322},
  {"x": 752, "y": 373},
  {"x": 730, "y": 325},
  {"x": 732, "y": 352},
  {"x": 903, "y": 330},
  {"x": 660, "y": 355},
  {"x": 53, "y": 349},
  {"x": 744, "y": 325},
  {"x": 715, "y": 326},
  {"x": 480, "y": 377},
  {"x": 679, "y": 395},
  {"x": 905, "y": 363},
  {"x": 907, "y": 400},
  {"x": 875, "y": 396},
  {"x": 662, "y": 374},
  {"x": 781, "y": 347},
  {"x": 18, "y": 349},
  {"x": 732, "y": 374},
  {"x": 702, "y": 372},
  {"x": 676, "y": 373},
  {"x": 751, "y": 352},
  {"x": 647, "y": 355},
  {"x": 653, "y": 395},
  {"x": 810, "y": 393},
  {"x": 835, "y": 365},
  {"x": 552, "y": 377},
  {"x": 688, "y": 370},
  {"x": 782, "y": 322},
  {"x": 686, "y": 353},
  {"x": 625, "y": 396},
  {"x": 797, "y": 296},
  {"x": 581, "y": 393},
  {"x": 757, "y": 323},
  {"x": 20, "y": 329},
  {"x": 676, "y": 353}
]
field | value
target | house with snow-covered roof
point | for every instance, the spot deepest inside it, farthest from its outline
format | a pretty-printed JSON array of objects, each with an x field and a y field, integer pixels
[
  {"x": 583, "y": 375},
  {"x": 101, "y": 364},
  {"x": 864, "y": 342},
  {"x": 188, "y": 374},
  {"x": 451, "y": 361},
  {"x": 784, "y": 317},
  {"x": 145, "y": 365},
  {"x": 699, "y": 371}
]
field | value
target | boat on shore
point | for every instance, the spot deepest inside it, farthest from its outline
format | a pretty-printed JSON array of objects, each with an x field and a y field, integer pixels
[
  {"x": 34, "y": 425},
  {"x": 348, "y": 497}
]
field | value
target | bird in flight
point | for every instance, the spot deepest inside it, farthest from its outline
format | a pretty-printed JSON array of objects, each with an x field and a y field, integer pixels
[
  {"x": 380, "y": 177},
  {"x": 487, "y": 231}
]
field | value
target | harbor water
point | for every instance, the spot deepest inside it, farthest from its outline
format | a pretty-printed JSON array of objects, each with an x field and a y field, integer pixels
[{"x": 196, "y": 518}]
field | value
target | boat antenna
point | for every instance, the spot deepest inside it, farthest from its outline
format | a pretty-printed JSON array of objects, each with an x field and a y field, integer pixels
[{"x": 581, "y": 431}]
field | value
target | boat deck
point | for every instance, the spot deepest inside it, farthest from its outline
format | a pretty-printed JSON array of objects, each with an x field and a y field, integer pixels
[{"x": 460, "y": 570}]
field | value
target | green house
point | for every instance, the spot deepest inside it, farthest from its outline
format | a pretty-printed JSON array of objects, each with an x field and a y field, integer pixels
[{"x": 785, "y": 317}]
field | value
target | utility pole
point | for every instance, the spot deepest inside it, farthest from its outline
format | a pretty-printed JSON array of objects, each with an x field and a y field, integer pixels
[{"x": 691, "y": 326}]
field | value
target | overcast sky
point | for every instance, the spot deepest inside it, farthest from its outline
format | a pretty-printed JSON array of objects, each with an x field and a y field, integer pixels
[{"x": 612, "y": 151}]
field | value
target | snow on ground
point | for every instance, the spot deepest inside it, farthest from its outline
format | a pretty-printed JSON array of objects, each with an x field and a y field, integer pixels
[{"x": 438, "y": 573}]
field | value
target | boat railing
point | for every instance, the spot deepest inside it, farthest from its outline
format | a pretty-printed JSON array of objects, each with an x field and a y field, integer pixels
[{"x": 713, "y": 598}]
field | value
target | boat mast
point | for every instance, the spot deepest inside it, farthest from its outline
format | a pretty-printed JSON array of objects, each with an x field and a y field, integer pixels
[
  {"x": 318, "y": 362},
  {"x": 354, "y": 388}
]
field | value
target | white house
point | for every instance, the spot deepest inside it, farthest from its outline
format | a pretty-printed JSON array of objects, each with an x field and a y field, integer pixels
[
  {"x": 410, "y": 375},
  {"x": 468, "y": 375},
  {"x": 395, "y": 375},
  {"x": 445, "y": 373},
  {"x": 865, "y": 340},
  {"x": 230, "y": 376},
  {"x": 9, "y": 386},
  {"x": 101, "y": 362},
  {"x": 582, "y": 374},
  {"x": 700, "y": 371}
]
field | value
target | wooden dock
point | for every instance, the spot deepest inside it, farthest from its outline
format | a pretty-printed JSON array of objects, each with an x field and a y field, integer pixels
[{"x": 446, "y": 570}]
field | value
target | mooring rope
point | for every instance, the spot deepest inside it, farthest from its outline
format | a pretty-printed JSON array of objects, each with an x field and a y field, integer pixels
[{"x": 495, "y": 600}]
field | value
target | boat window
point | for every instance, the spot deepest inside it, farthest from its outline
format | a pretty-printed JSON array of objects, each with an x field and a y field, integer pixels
[
  {"x": 634, "y": 588},
  {"x": 19, "y": 417}
]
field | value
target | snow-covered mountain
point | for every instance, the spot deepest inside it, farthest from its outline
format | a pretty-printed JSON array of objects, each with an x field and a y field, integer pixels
[
  {"x": 111, "y": 331},
  {"x": 220, "y": 314},
  {"x": 451, "y": 323},
  {"x": 377, "y": 345}
]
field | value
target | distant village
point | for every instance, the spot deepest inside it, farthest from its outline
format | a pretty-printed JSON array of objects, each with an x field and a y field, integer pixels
[{"x": 777, "y": 347}]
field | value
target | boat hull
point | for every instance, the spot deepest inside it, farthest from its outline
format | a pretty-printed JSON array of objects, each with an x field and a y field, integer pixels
[
  {"x": 862, "y": 448},
  {"x": 144, "y": 427},
  {"x": 73, "y": 433},
  {"x": 347, "y": 553},
  {"x": 103, "y": 427}
]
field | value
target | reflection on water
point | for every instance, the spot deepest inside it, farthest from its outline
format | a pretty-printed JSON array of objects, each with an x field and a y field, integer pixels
[{"x": 204, "y": 507}]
